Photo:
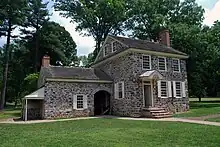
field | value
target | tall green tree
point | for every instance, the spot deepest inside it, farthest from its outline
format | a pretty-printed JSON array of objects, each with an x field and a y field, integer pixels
[
  {"x": 97, "y": 18},
  {"x": 147, "y": 17},
  {"x": 37, "y": 15},
  {"x": 12, "y": 15},
  {"x": 56, "y": 42}
]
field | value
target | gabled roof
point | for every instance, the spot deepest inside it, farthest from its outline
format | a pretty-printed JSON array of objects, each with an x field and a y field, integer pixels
[
  {"x": 75, "y": 73},
  {"x": 147, "y": 45}
]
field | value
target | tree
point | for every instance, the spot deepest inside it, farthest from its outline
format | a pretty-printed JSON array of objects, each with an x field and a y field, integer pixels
[
  {"x": 97, "y": 17},
  {"x": 147, "y": 18},
  {"x": 56, "y": 42},
  {"x": 12, "y": 16},
  {"x": 37, "y": 15}
]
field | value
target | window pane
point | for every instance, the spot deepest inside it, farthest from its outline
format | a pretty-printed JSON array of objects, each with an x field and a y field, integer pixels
[
  {"x": 162, "y": 64},
  {"x": 114, "y": 46},
  {"x": 176, "y": 65},
  {"x": 146, "y": 62},
  {"x": 79, "y": 101},
  {"x": 163, "y": 89},
  {"x": 178, "y": 89},
  {"x": 120, "y": 90}
]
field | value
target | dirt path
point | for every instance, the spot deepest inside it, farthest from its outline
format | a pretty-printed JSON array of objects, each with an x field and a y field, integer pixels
[{"x": 123, "y": 118}]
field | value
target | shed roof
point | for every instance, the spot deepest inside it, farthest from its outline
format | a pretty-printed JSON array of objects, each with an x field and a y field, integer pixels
[{"x": 38, "y": 94}]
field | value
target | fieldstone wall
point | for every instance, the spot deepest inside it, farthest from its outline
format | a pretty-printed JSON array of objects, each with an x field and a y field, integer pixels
[
  {"x": 128, "y": 68},
  {"x": 59, "y": 98}
]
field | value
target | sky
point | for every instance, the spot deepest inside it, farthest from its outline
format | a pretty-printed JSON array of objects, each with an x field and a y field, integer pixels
[{"x": 85, "y": 44}]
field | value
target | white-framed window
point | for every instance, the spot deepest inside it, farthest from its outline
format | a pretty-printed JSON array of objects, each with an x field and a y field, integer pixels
[
  {"x": 119, "y": 90},
  {"x": 176, "y": 65},
  {"x": 164, "y": 89},
  {"x": 146, "y": 62},
  {"x": 80, "y": 102},
  {"x": 179, "y": 90},
  {"x": 114, "y": 46},
  {"x": 162, "y": 64},
  {"x": 105, "y": 50}
]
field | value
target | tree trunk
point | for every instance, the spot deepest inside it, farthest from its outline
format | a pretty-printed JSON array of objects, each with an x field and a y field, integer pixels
[
  {"x": 5, "y": 70},
  {"x": 200, "y": 99},
  {"x": 36, "y": 52}
]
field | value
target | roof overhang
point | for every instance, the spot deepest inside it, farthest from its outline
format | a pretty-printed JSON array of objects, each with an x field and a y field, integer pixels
[
  {"x": 153, "y": 74},
  {"x": 77, "y": 80},
  {"x": 36, "y": 95}
]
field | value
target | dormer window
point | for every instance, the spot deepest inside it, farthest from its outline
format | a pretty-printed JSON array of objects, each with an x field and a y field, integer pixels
[
  {"x": 114, "y": 46},
  {"x": 105, "y": 50}
]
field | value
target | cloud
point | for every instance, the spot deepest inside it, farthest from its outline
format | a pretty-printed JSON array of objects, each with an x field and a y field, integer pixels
[
  {"x": 212, "y": 15},
  {"x": 85, "y": 44}
]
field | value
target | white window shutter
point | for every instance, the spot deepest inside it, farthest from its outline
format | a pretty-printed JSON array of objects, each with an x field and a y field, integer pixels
[
  {"x": 159, "y": 88},
  {"x": 74, "y": 101},
  {"x": 169, "y": 89},
  {"x": 85, "y": 104},
  {"x": 174, "y": 89},
  {"x": 123, "y": 89},
  {"x": 183, "y": 89},
  {"x": 116, "y": 90}
]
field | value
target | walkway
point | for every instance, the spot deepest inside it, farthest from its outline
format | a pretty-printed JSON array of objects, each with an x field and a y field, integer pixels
[{"x": 122, "y": 118}]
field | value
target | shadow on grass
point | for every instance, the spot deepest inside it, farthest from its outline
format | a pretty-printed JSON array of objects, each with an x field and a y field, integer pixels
[{"x": 204, "y": 104}]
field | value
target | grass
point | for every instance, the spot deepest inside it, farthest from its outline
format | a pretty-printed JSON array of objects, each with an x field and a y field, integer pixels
[
  {"x": 208, "y": 106},
  {"x": 214, "y": 119},
  {"x": 10, "y": 112},
  {"x": 110, "y": 132}
]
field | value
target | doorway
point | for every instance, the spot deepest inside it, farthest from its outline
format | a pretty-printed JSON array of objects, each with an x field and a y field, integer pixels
[
  {"x": 101, "y": 103},
  {"x": 148, "y": 101}
]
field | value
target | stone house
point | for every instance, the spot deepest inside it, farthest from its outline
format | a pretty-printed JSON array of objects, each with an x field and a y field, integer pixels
[{"x": 129, "y": 77}]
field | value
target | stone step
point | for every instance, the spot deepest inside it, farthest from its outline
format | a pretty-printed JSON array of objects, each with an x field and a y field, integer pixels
[
  {"x": 157, "y": 111},
  {"x": 157, "y": 114},
  {"x": 154, "y": 109}
]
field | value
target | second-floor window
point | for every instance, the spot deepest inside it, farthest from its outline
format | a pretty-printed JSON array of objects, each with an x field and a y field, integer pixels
[
  {"x": 146, "y": 62},
  {"x": 162, "y": 65},
  {"x": 176, "y": 65}
]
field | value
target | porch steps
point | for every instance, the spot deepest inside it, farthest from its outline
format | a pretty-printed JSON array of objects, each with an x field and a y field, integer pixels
[{"x": 156, "y": 113}]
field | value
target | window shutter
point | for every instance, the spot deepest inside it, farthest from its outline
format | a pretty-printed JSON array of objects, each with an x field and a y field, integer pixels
[
  {"x": 85, "y": 104},
  {"x": 123, "y": 89},
  {"x": 174, "y": 89},
  {"x": 159, "y": 88},
  {"x": 169, "y": 89},
  {"x": 116, "y": 90},
  {"x": 183, "y": 89},
  {"x": 74, "y": 101}
]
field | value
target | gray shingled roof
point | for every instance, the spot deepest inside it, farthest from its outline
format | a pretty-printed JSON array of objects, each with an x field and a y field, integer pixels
[
  {"x": 147, "y": 45},
  {"x": 76, "y": 73}
]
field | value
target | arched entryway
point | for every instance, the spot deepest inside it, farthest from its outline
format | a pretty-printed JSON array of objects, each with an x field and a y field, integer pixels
[{"x": 101, "y": 103}]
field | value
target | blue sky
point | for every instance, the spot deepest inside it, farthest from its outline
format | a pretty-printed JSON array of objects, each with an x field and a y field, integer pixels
[{"x": 85, "y": 44}]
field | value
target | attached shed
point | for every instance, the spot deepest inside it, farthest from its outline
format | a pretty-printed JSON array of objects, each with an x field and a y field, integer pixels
[{"x": 34, "y": 105}]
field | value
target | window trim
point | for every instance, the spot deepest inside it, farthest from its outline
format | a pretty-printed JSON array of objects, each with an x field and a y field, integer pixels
[
  {"x": 143, "y": 62},
  {"x": 77, "y": 101},
  {"x": 117, "y": 90},
  {"x": 112, "y": 46},
  {"x": 178, "y": 65},
  {"x": 167, "y": 90},
  {"x": 165, "y": 62},
  {"x": 181, "y": 90},
  {"x": 85, "y": 103}
]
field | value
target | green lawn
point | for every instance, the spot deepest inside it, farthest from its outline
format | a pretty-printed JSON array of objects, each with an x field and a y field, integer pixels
[
  {"x": 214, "y": 119},
  {"x": 206, "y": 107},
  {"x": 10, "y": 112},
  {"x": 109, "y": 132}
]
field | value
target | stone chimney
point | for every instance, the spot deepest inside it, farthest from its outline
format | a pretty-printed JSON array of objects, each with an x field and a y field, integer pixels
[
  {"x": 45, "y": 61},
  {"x": 164, "y": 37}
]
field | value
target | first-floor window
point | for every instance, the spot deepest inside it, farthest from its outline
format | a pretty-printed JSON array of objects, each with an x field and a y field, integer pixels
[
  {"x": 178, "y": 89},
  {"x": 119, "y": 90},
  {"x": 164, "y": 89},
  {"x": 79, "y": 101}
]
